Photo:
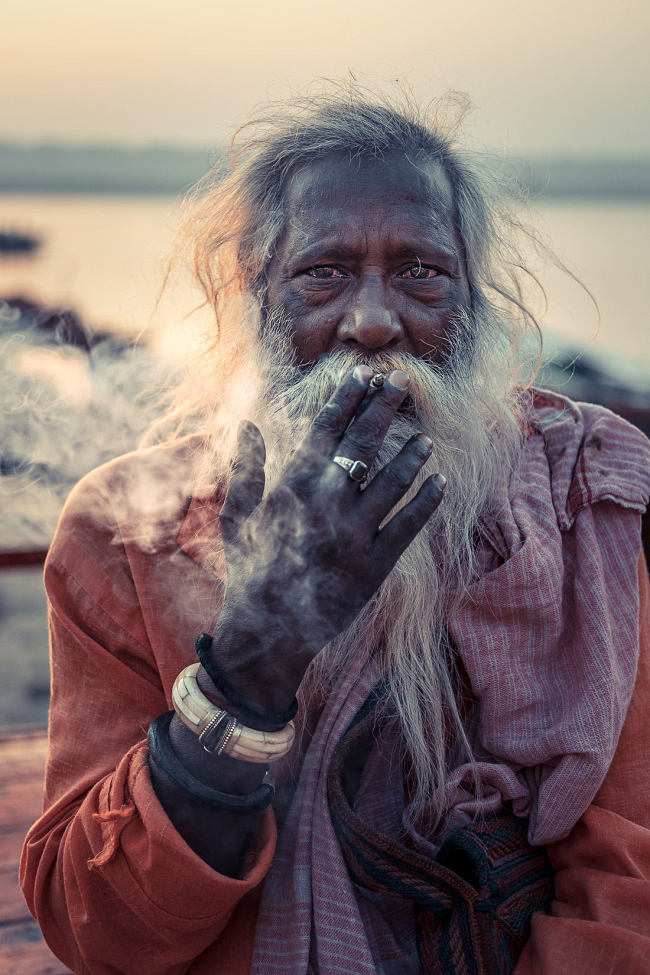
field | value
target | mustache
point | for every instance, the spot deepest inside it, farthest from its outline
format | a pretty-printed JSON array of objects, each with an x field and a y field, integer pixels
[
  {"x": 315, "y": 384},
  {"x": 302, "y": 389},
  {"x": 381, "y": 362}
]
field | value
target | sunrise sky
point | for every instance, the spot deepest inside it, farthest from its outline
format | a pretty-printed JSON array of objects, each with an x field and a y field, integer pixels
[{"x": 559, "y": 76}]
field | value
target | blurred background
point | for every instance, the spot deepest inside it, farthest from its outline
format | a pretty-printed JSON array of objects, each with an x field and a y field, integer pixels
[{"x": 112, "y": 111}]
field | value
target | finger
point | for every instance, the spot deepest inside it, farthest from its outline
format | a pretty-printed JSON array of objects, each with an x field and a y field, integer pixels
[
  {"x": 392, "y": 482},
  {"x": 246, "y": 480},
  {"x": 400, "y": 531},
  {"x": 329, "y": 425},
  {"x": 364, "y": 437}
]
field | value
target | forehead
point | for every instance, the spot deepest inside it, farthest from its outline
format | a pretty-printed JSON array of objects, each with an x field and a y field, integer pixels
[{"x": 336, "y": 194}]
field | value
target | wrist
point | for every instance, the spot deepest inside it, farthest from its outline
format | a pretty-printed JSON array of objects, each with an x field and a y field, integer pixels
[
  {"x": 255, "y": 678},
  {"x": 221, "y": 700},
  {"x": 216, "y": 771}
]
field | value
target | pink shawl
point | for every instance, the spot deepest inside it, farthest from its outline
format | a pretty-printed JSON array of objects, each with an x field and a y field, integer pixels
[{"x": 549, "y": 639}]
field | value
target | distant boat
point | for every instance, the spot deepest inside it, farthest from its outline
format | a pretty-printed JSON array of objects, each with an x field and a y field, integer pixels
[{"x": 12, "y": 242}]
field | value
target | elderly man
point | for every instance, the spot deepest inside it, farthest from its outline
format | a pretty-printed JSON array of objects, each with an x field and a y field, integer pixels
[{"x": 419, "y": 596}]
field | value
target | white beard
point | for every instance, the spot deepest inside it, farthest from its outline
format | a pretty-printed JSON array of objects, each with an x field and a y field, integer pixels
[{"x": 467, "y": 407}]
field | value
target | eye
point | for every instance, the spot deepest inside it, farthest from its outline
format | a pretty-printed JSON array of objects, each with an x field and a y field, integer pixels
[
  {"x": 324, "y": 272},
  {"x": 419, "y": 272}
]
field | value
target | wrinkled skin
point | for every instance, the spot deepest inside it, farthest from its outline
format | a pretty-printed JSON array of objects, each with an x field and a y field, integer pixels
[{"x": 370, "y": 258}]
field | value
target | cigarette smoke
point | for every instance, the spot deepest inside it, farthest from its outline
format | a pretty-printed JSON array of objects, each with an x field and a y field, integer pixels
[{"x": 68, "y": 403}]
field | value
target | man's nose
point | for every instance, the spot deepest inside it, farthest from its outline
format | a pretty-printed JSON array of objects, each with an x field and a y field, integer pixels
[{"x": 370, "y": 319}]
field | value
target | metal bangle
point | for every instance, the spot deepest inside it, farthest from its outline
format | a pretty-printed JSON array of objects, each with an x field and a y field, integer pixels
[
  {"x": 219, "y": 731},
  {"x": 165, "y": 759}
]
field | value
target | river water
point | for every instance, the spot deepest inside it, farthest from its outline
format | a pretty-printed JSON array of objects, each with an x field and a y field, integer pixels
[{"x": 106, "y": 256}]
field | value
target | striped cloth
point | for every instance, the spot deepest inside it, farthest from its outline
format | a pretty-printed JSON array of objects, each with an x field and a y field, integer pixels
[
  {"x": 473, "y": 904},
  {"x": 548, "y": 637}
]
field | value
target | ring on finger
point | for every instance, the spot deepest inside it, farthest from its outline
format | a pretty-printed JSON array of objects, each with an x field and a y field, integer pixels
[
  {"x": 356, "y": 469},
  {"x": 377, "y": 380}
]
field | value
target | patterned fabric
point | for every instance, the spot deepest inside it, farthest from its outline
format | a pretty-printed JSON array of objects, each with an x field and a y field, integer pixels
[
  {"x": 548, "y": 637},
  {"x": 474, "y": 903}
]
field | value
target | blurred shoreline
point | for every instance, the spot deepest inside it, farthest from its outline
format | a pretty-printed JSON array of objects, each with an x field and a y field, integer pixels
[
  {"x": 171, "y": 170},
  {"x": 107, "y": 256}
]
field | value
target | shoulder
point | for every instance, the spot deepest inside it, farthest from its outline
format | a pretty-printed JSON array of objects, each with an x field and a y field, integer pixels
[
  {"x": 139, "y": 498},
  {"x": 591, "y": 454}
]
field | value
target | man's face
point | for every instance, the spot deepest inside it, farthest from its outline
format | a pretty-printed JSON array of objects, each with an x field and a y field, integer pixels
[{"x": 369, "y": 259}]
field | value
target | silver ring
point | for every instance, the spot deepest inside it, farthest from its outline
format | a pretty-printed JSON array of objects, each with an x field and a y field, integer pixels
[
  {"x": 356, "y": 469},
  {"x": 377, "y": 381}
]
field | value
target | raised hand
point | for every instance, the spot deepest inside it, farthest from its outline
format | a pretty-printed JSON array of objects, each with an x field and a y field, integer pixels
[{"x": 305, "y": 559}]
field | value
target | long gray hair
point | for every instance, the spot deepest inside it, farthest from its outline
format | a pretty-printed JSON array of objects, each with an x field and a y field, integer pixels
[
  {"x": 235, "y": 215},
  {"x": 236, "y": 218}
]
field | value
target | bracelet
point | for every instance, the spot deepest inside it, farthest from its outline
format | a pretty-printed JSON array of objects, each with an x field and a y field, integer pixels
[
  {"x": 220, "y": 732},
  {"x": 165, "y": 758},
  {"x": 202, "y": 647}
]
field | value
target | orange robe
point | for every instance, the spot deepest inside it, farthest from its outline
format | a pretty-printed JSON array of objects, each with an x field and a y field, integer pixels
[{"x": 115, "y": 887}]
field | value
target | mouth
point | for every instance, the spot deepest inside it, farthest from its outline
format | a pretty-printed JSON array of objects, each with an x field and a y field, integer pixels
[{"x": 405, "y": 409}]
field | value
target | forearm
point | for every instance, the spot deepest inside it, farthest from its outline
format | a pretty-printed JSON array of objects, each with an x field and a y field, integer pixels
[
  {"x": 221, "y": 837},
  {"x": 115, "y": 888}
]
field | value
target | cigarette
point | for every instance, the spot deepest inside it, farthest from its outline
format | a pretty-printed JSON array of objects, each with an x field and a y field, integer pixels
[{"x": 374, "y": 385}]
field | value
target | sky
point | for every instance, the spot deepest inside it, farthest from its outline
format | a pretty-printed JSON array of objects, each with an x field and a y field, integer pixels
[{"x": 559, "y": 77}]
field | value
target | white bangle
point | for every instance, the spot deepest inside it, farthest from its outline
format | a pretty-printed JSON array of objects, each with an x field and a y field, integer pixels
[{"x": 219, "y": 731}]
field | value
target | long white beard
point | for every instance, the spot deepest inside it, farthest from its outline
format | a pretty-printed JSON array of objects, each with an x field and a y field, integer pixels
[{"x": 466, "y": 407}]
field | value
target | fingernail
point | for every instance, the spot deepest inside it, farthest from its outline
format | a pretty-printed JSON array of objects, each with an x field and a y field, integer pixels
[
  {"x": 363, "y": 373},
  {"x": 399, "y": 379},
  {"x": 424, "y": 445},
  {"x": 441, "y": 481}
]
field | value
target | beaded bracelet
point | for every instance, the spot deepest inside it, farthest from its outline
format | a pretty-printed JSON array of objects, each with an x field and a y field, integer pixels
[
  {"x": 202, "y": 646},
  {"x": 165, "y": 758}
]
